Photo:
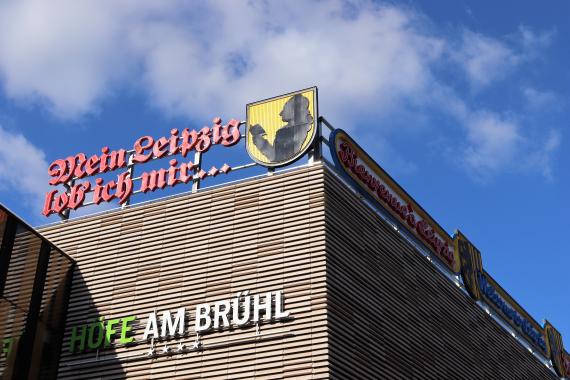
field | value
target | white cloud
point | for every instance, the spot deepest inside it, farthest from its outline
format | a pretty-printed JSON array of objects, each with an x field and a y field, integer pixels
[
  {"x": 371, "y": 60},
  {"x": 66, "y": 54},
  {"x": 533, "y": 42},
  {"x": 53, "y": 52},
  {"x": 200, "y": 59},
  {"x": 192, "y": 57},
  {"x": 484, "y": 59},
  {"x": 495, "y": 142},
  {"x": 540, "y": 100},
  {"x": 541, "y": 158},
  {"x": 492, "y": 142},
  {"x": 23, "y": 168}
]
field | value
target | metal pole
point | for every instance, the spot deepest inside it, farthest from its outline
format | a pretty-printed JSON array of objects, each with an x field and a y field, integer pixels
[
  {"x": 197, "y": 168},
  {"x": 131, "y": 170},
  {"x": 65, "y": 214}
]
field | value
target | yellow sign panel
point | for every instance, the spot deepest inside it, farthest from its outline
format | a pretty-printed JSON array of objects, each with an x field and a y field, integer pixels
[{"x": 281, "y": 129}]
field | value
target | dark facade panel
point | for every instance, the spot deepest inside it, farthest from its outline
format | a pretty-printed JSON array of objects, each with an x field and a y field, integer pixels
[{"x": 34, "y": 287}]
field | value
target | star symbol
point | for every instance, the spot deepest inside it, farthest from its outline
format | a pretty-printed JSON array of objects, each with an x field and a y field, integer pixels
[
  {"x": 165, "y": 349},
  {"x": 180, "y": 347},
  {"x": 150, "y": 351}
]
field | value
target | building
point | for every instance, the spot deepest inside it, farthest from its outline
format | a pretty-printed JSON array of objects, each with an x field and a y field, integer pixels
[
  {"x": 320, "y": 270},
  {"x": 34, "y": 286}
]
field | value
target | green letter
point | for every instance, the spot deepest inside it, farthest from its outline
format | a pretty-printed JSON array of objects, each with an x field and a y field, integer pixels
[
  {"x": 77, "y": 338},
  {"x": 110, "y": 331},
  {"x": 7, "y": 346},
  {"x": 97, "y": 325},
  {"x": 125, "y": 328}
]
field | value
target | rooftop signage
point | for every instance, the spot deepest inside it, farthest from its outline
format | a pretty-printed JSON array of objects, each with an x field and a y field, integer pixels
[
  {"x": 481, "y": 286},
  {"x": 457, "y": 253},
  {"x": 280, "y": 130},
  {"x": 268, "y": 141},
  {"x": 375, "y": 183},
  {"x": 71, "y": 171},
  {"x": 510, "y": 311}
]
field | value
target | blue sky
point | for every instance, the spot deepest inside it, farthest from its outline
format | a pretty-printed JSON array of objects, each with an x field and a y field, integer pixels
[{"x": 465, "y": 103}]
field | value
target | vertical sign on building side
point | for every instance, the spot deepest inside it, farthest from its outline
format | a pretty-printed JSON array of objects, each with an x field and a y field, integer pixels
[
  {"x": 458, "y": 253},
  {"x": 375, "y": 183},
  {"x": 482, "y": 286}
]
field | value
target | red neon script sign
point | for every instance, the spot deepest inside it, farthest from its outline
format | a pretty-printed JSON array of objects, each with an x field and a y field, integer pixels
[{"x": 71, "y": 169}]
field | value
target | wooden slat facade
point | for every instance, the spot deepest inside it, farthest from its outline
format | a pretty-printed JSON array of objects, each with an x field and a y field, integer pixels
[
  {"x": 393, "y": 315},
  {"x": 263, "y": 235},
  {"x": 365, "y": 304}
]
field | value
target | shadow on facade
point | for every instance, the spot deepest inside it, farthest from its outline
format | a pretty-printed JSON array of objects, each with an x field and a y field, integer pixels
[
  {"x": 43, "y": 298},
  {"x": 87, "y": 342}
]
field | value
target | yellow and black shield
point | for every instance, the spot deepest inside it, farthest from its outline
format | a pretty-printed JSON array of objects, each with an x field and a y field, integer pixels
[
  {"x": 471, "y": 263},
  {"x": 281, "y": 129},
  {"x": 556, "y": 348}
]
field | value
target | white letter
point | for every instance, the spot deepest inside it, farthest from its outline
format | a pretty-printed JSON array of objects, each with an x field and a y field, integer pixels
[
  {"x": 202, "y": 314},
  {"x": 169, "y": 327},
  {"x": 237, "y": 308},
  {"x": 151, "y": 327},
  {"x": 219, "y": 313},
  {"x": 279, "y": 312},
  {"x": 266, "y": 306}
]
